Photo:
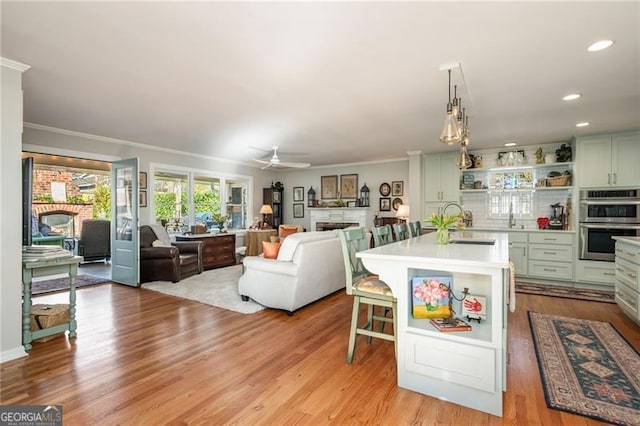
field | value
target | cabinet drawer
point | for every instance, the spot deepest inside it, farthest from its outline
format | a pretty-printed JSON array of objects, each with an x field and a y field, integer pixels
[
  {"x": 551, "y": 252},
  {"x": 550, "y": 238},
  {"x": 628, "y": 300},
  {"x": 628, "y": 273},
  {"x": 628, "y": 253},
  {"x": 454, "y": 362},
  {"x": 518, "y": 237},
  {"x": 602, "y": 273},
  {"x": 553, "y": 270}
]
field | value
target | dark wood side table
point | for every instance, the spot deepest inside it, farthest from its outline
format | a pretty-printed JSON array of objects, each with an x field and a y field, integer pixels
[{"x": 219, "y": 249}]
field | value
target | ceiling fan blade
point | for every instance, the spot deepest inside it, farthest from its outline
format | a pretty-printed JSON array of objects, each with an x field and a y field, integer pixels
[
  {"x": 296, "y": 165},
  {"x": 262, "y": 161},
  {"x": 267, "y": 166}
]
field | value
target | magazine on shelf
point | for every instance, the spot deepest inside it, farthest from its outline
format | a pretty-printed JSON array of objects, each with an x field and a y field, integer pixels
[{"x": 450, "y": 324}]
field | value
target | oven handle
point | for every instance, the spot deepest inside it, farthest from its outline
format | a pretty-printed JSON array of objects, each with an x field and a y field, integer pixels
[
  {"x": 608, "y": 226},
  {"x": 609, "y": 202}
]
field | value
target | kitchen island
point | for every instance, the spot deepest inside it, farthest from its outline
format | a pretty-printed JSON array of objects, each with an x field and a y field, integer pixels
[{"x": 467, "y": 368}]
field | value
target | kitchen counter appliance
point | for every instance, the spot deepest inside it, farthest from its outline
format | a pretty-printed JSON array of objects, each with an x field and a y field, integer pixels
[{"x": 603, "y": 215}]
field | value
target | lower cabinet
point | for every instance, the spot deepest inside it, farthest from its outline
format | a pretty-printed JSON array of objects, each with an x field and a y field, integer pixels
[
  {"x": 599, "y": 273},
  {"x": 627, "y": 281},
  {"x": 551, "y": 255},
  {"x": 518, "y": 245}
]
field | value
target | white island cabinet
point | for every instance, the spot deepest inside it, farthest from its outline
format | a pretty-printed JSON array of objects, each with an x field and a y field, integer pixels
[{"x": 466, "y": 368}]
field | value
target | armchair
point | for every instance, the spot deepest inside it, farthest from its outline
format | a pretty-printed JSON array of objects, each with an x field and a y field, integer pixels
[
  {"x": 163, "y": 260},
  {"x": 95, "y": 240}
]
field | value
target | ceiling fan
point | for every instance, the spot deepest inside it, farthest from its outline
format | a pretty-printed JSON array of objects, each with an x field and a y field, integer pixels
[{"x": 275, "y": 161}]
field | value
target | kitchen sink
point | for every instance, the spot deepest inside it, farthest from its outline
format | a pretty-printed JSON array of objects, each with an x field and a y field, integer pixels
[{"x": 476, "y": 241}]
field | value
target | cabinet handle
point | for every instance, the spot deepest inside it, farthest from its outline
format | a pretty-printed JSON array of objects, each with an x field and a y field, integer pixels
[
  {"x": 548, "y": 270},
  {"x": 631, "y": 276},
  {"x": 620, "y": 270},
  {"x": 550, "y": 252},
  {"x": 549, "y": 239},
  {"x": 608, "y": 178},
  {"x": 609, "y": 274},
  {"x": 615, "y": 178}
]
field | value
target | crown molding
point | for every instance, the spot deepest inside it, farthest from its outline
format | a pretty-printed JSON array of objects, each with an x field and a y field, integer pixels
[{"x": 10, "y": 63}]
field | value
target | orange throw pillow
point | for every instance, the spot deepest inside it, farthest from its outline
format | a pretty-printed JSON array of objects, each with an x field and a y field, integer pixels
[
  {"x": 284, "y": 232},
  {"x": 270, "y": 250}
]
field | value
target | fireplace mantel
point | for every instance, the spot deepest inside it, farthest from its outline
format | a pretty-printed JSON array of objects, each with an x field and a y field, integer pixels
[{"x": 352, "y": 215}]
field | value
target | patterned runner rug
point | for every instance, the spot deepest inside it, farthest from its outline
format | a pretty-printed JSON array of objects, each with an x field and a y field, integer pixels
[
  {"x": 568, "y": 292},
  {"x": 59, "y": 284},
  {"x": 587, "y": 368}
]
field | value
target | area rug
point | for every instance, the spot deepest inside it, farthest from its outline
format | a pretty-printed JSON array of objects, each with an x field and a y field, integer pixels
[
  {"x": 59, "y": 284},
  {"x": 567, "y": 292},
  {"x": 217, "y": 287},
  {"x": 587, "y": 368}
]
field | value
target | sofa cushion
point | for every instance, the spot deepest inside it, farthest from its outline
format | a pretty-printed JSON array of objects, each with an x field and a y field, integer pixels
[
  {"x": 270, "y": 249},
  {"x": 160, "y": 243},
  {"x": 161, "y": 233},
  {"x": 372, "y": 284},
  {"x": 290, "y": 244},
  {"x": 285, "y": 232}
]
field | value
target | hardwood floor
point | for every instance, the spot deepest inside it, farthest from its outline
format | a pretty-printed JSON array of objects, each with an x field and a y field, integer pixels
[{"x": 146, "y": 358}]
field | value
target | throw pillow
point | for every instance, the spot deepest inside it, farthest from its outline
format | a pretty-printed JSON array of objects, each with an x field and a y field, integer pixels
[
  {"x": 284, "y": 232},
  {"x": 158, "y": 243},
  {"x": 270, "y": 250}
]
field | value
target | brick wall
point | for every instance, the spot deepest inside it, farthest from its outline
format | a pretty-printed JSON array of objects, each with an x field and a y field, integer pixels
[
  {"x": 42, "y": 182},
  {"x": 79, "y": 212}
]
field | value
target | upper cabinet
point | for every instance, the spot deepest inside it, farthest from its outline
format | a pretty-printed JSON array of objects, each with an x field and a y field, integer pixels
[
  {"x": 441, "y": 181},
  {"x": 609, "y": 160}
]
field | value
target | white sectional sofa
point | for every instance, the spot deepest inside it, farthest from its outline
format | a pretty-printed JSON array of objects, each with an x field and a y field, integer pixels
[{"x": 309, "y": 266}]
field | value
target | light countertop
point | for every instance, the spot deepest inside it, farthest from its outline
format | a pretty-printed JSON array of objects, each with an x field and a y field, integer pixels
[
  {"x": 631, "y": 240},
  {"x": 518, "y": 229},
  {"x": 426, "y": 247}
]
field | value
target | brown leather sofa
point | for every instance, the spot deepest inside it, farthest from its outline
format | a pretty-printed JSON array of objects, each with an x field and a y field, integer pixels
[{"x": 167, "y": 261}]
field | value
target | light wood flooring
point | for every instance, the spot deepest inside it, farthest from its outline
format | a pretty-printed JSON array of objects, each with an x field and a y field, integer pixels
[{"x": 144, "y": 358}]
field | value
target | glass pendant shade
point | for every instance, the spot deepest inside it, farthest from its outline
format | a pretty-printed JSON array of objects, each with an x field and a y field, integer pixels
[
  {"x": 464, "y": 161},
  {"x": 450, "y": 131}
]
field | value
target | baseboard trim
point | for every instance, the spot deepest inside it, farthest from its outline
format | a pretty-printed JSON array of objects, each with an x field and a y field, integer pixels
[{"x": 12, "y": 354}]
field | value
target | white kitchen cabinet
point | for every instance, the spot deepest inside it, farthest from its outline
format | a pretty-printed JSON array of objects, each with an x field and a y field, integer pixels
[
  {"x": 598, "y": 273},
  {"x": 609, "y": 160},
  {"x": 628, "y": 277},
  {"x": 518, "y": 245},
  {"x": 551, "y": 255},
  {"x": 441, "y": 178}
]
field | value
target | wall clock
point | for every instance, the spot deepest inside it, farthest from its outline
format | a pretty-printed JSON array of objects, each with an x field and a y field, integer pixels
[{"x": 385, "y": 189}]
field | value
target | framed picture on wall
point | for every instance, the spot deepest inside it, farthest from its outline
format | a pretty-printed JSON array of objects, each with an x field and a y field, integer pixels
[
  {"x": 142, "y": 196},
  {"x": 298, "y": 193},
  {"x": 329, "y": 187},
  {"x": 385, "y": 204},
  {"x": 349, "y": 186},
  {"x": 298, "y": 210},
  {"x": 142, "y": 180},
  {"x": 397, "y": 188}
]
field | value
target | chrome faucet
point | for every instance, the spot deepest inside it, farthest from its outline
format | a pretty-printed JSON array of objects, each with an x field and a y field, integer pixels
[{"x": 452, "y": 203}]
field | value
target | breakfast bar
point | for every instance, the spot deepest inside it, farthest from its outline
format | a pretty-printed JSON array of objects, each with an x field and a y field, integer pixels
[{"x": 466, "y": 368}]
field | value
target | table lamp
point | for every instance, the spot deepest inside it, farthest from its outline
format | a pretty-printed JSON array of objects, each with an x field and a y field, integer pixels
[
  {"x": 403, "y": 212},
  {"x": 264, "y": 211}
]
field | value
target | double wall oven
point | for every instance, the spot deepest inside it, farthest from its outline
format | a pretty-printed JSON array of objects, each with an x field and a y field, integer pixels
[{"x": 605, "y": 214}]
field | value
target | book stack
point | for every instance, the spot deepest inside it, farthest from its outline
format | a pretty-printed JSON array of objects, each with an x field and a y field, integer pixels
[
  {"x": 35, "y": 253},
  {"x": 450, "y": 324}
]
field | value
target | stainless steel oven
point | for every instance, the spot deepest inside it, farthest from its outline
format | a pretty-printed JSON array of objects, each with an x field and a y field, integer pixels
[{"x": 603, "y": 215}]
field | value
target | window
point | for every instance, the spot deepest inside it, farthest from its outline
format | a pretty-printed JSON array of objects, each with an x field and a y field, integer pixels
[
  {"x": 501, "y": 203},
  {"x": 184, "y": 198}
]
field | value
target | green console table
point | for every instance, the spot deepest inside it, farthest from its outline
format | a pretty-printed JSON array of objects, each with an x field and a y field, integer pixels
[{"x": 42, "y": 268}]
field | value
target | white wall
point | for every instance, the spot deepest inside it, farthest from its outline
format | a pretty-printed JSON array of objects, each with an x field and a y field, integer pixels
[
  {"x": 10, "y": 217},
  {"x": 373, "y": 174}
]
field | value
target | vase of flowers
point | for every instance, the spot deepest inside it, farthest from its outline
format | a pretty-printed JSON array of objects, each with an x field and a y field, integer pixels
[
  {"x": 443, "y": 222},
  {"x": 220, "y": 220}
]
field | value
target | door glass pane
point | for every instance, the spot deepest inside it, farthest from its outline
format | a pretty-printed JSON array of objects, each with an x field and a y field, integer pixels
[
  {"x": 206, "y": 202},
  {"x": 123, "y": 203},
  {"x": 171, "y": 199},
  {"x": 236, "y": 204}
]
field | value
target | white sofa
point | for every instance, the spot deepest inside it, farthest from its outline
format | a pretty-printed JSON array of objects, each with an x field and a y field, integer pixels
[{"x": 309, "y": 266}]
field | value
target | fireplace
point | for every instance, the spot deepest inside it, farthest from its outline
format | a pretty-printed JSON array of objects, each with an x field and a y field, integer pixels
[
  {"x": 328, "y": 226},
  {"x": 60, "y": 221},
  {"x": 324, "y": 219}
]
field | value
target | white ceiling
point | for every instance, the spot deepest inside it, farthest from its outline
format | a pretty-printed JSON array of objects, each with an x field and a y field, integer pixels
[{"x": 340, "y": 81}]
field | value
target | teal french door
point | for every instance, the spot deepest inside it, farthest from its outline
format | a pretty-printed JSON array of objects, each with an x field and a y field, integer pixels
[{"x": 124, "y": 219}]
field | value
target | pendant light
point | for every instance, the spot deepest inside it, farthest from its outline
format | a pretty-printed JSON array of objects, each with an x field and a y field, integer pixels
[
  {"x": 450, "y": 131},
  {"x": 464, "y": 160}
]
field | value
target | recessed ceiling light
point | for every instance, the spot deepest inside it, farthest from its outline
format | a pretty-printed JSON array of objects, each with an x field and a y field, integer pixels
[
  {"x": 599, "y": 45},
  {"x": 572, "y": 97},
  {"x": 583, "y": 124},
  {"x": 510, "y": 144}
]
